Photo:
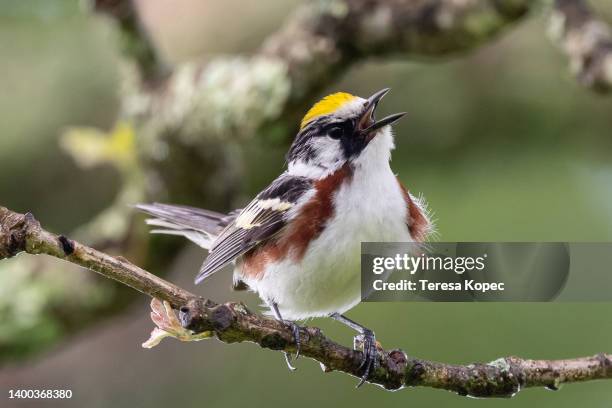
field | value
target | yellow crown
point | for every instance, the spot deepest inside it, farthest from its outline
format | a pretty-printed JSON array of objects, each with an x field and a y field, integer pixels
[{"x": 327, "y": 105}]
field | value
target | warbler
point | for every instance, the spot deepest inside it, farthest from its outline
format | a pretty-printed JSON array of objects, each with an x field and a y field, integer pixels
[{"x": 297, "y": 243}]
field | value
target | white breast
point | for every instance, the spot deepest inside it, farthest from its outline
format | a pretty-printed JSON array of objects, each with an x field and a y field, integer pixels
[{"x": 370, "y": 207}]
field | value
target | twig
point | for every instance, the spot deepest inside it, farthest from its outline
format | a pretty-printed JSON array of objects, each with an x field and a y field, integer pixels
[
  {"x": 586, "y": 40},
  {"x": 23, "y": 233},
  {"x": 233, "y": 322},
  {"x": 135, "y": 40}
]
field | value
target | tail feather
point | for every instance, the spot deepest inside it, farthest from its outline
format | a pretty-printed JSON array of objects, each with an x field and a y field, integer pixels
[{"x": 197, "y": 225}]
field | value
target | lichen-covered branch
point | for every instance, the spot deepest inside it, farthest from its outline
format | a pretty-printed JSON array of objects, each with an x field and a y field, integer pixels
[
  {"x": 234, "y": 96},
  {"x": 233, "y": 322},
  {"x": 586, "y": 40}
]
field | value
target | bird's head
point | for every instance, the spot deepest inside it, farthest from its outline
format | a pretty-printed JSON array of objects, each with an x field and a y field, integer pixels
[{"x": 341, "y": 128}]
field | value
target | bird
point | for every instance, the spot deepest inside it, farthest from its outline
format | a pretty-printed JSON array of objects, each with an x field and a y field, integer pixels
[{"x": 297, "y": 243}]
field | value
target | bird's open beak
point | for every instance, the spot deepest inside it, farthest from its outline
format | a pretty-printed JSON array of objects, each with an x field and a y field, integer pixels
[{"x": 368, "y": 124}]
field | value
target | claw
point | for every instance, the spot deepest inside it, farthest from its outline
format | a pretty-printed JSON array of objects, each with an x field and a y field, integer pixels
[
  {"x": 295, "y": 329},
  {"x": 296, "y": 338},
  {"x": 288, "y": 361},
  {"x": 369, "y": 361}
]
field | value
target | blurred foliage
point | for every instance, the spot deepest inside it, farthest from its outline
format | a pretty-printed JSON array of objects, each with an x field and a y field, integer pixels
[
  {"x": 58, "y": 69},
  {"x": 89, "y": 147},
  {"x": 503, "y": 143},
  {"x": 33, "y": 293}
]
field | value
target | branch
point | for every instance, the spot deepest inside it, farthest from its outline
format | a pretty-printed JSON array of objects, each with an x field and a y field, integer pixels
[
  {"x": 586, "y": 40},
  {"x": 23, "y": 233},
  {"x": 234, "y": 96},
  {"x": 322, "y": 38},
  {"x": 233, "y": 322},
  {"x": 135, "y": 40}
]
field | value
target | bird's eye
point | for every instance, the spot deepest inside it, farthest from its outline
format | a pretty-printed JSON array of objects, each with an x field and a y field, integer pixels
[{"x": 335, "y": 132}]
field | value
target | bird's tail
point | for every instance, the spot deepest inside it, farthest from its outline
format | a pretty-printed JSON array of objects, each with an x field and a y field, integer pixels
[{"x": 197, "y": 225}]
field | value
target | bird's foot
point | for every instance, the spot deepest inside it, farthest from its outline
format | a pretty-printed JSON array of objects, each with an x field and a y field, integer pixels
[
  {"x": 168, "y": 325},
  {"x": 295, "y": 329},
  {"x": 296, "y": 334},
  {"x": 366, "y": 342}
]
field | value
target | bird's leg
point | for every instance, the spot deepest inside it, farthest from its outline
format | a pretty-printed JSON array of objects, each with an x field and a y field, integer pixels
[
  {"x": 367, "y": 338},
  {"x": 296, "y": 334}
]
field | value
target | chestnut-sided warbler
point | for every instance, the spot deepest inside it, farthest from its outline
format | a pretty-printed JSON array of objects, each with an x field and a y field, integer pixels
[{"x": 297, "y": 244}]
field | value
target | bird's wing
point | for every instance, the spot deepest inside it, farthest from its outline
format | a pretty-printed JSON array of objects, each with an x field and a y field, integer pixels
[{"x": 265, "y": 216}]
